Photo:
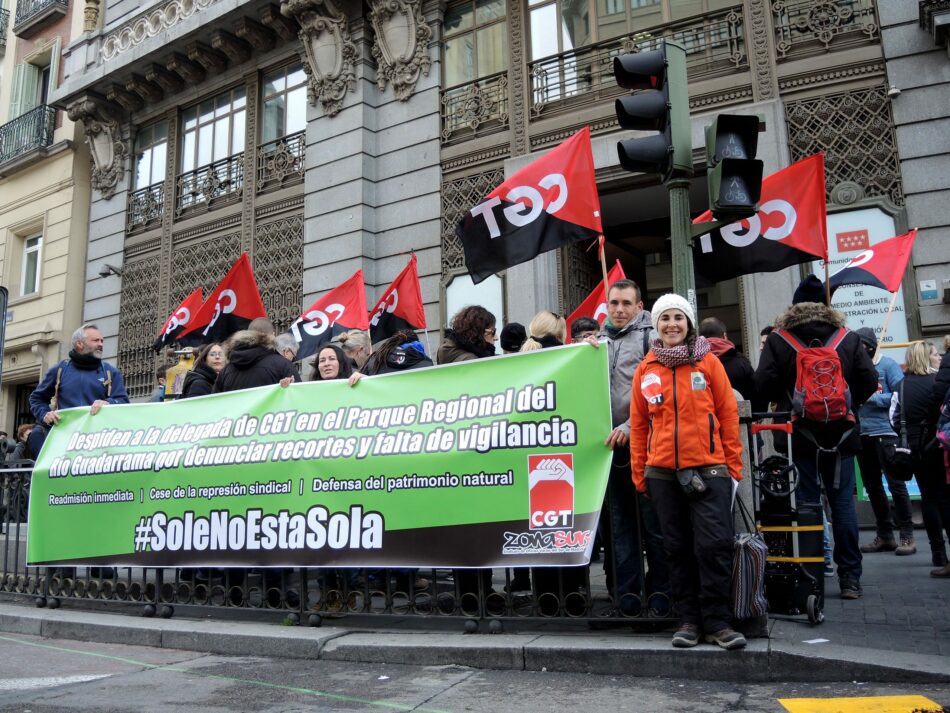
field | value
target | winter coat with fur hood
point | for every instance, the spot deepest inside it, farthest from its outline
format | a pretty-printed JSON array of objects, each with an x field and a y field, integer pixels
[
  {"x": 253, "y": 361},
  {"x": 813, "y": 323}
]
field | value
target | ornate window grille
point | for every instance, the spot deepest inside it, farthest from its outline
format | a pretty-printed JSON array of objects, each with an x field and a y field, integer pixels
[
  {"x": 145, "y": 207},
  {"x": 457, "y": 197},
  {"x": 475, "y": 108},
  {"x": 27, "y": 10},
  {"x": 4, "y": 23},
  {"x": 281, "y": 162},
  {"x": 715, "y": 46},
  {"x": 806, "y": 27},
  {"x": 33, "y": 130},
  {"x": 210, "y": 186}
]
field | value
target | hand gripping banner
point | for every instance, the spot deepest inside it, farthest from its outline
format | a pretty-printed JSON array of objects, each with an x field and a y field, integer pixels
[{"x": 493, "y": 463}]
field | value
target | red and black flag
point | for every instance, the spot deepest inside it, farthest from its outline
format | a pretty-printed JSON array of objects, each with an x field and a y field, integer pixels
[
  {"x": 232, "y": 306},
  {"x": 549, "y": 203},
  {"x": 400, "y": 307},
  {"x": 341, "y": 309},
  {"x": 595, "y": 306},
  {"x": 178, "y": 320},
  {"x": 789, "y": 228},
  {"x": 880, "y": 265}
]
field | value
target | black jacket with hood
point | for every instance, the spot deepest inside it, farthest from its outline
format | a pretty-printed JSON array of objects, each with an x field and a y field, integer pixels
[
  {"x": 198, "y": 382},
  {"x": 813, "y": 323},
  {"x": 253, "y": 361}
]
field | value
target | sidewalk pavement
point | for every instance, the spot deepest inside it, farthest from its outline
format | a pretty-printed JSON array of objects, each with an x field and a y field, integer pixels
[{"x": 898, "y": 632}]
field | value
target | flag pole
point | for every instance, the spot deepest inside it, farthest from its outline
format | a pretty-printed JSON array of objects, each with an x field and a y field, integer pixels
[
  {"x": 429, "y": 346},
  {"x": 887, "y": 317},
  {"x": 827, "y": 285},
  {"x": 603, "y": 268}
]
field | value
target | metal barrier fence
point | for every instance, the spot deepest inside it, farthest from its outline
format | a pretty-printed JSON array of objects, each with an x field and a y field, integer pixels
[{"x": 308, "y": 595}]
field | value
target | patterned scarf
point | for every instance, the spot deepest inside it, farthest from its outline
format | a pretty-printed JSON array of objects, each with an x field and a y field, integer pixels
[{"x": 679, "y": 355}]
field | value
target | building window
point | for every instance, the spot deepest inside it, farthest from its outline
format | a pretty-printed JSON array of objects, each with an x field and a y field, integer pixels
[
  {"x": 151, "y": 145},
  {"x": 285, "y": 103},
  {"x": 213, "y": 130},
  {"x": 475, "y": 41},
  {"x": 30, "y": 273}
]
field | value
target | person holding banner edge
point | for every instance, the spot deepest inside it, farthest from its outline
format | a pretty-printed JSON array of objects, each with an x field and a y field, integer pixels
[
  {"x": 627, "y": 330},
  {"x": 684, "y": 446}
]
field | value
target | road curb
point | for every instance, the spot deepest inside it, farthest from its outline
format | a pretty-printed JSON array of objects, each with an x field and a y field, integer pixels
[{"x": 613, "y": 654}]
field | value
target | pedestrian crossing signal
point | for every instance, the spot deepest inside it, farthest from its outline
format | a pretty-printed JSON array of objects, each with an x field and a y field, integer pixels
[{"x": 734, "y": 175}]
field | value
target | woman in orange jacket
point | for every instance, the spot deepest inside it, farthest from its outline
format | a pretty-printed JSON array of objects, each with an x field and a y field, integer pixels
[{"x": 684, "y": 446}]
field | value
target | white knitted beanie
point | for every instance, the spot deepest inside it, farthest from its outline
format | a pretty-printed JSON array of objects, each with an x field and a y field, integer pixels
[{"x": 672, "y": 301}]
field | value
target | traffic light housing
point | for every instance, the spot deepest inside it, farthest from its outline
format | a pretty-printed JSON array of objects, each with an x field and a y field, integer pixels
[
  {"x": 734, "y": 176},
  {"x": 661, "y": 104}
]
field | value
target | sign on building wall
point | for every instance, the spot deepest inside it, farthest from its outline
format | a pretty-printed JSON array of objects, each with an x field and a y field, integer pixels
[{"x": 850, "y": 232}]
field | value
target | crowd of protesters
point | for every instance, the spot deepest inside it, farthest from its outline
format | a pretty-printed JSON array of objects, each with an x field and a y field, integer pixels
[{"x": 667, "y": 524}]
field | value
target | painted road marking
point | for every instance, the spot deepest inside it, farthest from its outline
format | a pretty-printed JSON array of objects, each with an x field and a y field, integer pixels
[
  {"x": 870, "y": 704},
  {"x": 26, "y": 684},
  {"x": 247, "y": 681}
]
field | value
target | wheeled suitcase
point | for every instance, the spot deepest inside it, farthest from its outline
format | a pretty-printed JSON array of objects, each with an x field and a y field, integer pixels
[{"x": 794, "y": 571}]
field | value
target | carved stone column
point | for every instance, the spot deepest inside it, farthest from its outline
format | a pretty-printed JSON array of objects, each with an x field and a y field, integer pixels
[
  {"x": 760, "y": 38},
  {"x": 329, "y": 52},
  {"x": 100, "y": 121},
  {"x": 90, "y": 16},
  {"x": 400, "y": 45}
]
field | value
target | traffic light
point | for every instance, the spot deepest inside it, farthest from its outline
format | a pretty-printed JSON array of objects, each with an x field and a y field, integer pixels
[
  {"x": 734, "y": 176},
  {"x": 661, "y": 104}
]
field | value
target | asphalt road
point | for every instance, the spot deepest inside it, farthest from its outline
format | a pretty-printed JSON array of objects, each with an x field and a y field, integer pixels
[{"x": 45, "y": 675}]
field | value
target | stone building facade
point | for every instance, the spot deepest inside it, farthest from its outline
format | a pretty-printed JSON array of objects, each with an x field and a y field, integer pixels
[
  {"x": 324, "y": 136},
  {"x": 44, "y": 200}
]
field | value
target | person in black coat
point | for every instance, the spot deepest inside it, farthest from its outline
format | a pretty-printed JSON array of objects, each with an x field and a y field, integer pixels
[
  {"x": 208, "y": 364},
  {"x": 813, "y": 324},
  {"x": 400, "y": 352},
  {"x": 942, "y": 380},
  {"x": 738, "y": 368},
  {"x": 253, "y": 361}
]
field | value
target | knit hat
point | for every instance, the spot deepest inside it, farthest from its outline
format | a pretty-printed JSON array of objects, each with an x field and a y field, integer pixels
[
  {"x": 512, "y": 336},
  {"x": 867, "y": 336},
  {"x": 811, "y": 289},
  {"x": 672, "y": 301}
]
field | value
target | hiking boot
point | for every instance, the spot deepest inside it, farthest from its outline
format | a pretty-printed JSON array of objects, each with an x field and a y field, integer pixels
[
  {"x": 727, "y": 639},
  {"x": 880, "y": 544},
  {"x": 938, "y": 558},
  {"x": 850, "y": 588},
  {"x": 906, "y": 547},
  {"x": 941, "y": 571},
  {"x": 686, "y": 636}
]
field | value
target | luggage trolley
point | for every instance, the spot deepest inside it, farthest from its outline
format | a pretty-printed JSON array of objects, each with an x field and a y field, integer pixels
[{"x": 794, "y": 570}]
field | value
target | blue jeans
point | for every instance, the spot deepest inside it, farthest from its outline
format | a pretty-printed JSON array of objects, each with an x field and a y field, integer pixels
[
  {"x": 844, "y": 517},
  {"x": 622, "y": 544}
]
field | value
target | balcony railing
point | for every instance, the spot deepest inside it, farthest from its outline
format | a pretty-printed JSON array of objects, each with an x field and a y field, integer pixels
[
  {"x": 804, "y": 28},
  {"x": 281, "y": 162},
  {"x": 475, "y": 108},
  {"x": 30, "y": 13},
  {"x": 215, "y": 184},
  {"x": 33, "y": 130},
  {"x": 145, "y": 207},
  {"x": 714, "y": 42},
  {"x": 4, "y": 23}
]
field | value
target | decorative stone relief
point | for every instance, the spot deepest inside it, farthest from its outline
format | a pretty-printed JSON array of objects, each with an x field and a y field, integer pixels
[
  {"x": 148, "y": 25},
  {"x": 401, "y": 44},
  {"x": 90, "y": 16},
  {"x": 329, "y": 53},
  {"x": 761, "y": 60},
  {"x": 103, "y": 132}
]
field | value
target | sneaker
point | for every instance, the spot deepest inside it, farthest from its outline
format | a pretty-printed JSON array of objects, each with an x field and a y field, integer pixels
[
  {"x": 829, "y": 569},
  {"x": 727, "y": 639},
  {"x": 906, "y": 547},
  {"x": 686, "y": 636},
  {"x": 880, "y": 544},
  {"x": 850, "y": 588}
]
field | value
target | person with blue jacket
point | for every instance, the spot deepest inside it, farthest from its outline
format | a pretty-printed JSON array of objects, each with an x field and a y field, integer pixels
[
  {"x": 83, "y": 379},
  {"x": 876, "y": 435}
]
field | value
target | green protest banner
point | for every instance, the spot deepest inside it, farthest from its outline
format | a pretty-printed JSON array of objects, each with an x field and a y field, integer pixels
[{"x": 496, "y": 462}]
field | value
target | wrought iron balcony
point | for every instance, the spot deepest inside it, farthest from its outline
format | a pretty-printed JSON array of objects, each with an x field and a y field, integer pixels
[
  {"x": 4, "y": 23},
  {"x": 805, "y": 28},
  {"x": 281, "y": 162},
  {"x": 475, "y": 108},
  {"x": 210, "y": 186},
  {"x": 145, "y": 207},
  {"x": 31, "y": 15},
  {"x": 31, "y": 131}
]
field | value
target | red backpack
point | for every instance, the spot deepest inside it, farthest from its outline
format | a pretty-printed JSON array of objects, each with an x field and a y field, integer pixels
[{"x": 821, "y": 393}]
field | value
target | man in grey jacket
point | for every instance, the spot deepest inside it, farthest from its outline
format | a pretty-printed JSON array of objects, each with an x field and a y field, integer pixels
[{"x": 627, "y": 330}]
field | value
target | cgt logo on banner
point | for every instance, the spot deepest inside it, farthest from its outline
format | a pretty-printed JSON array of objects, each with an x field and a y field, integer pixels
[{"x": 550, "y": 509}]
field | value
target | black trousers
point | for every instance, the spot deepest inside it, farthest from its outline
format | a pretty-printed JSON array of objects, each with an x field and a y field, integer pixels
[{"x": 698, "y": 540}]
